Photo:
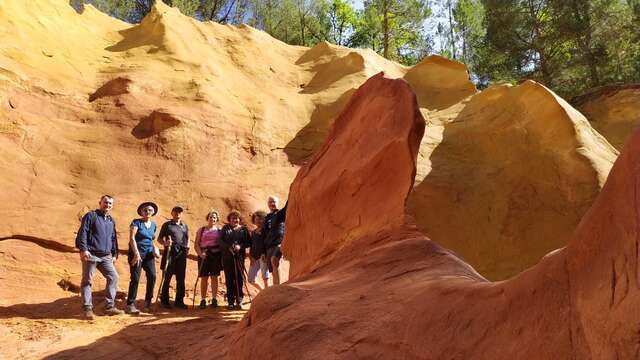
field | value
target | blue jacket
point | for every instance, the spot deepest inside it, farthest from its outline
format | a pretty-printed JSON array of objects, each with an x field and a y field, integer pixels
[{"x": 97, "y": 234}]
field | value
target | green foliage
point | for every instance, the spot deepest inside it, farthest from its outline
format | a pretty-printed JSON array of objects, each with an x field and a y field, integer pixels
[
  {"x": 469, "y": 25},
  {"x": 393, "y": 28},
  {"x": 569, "y": 45}
]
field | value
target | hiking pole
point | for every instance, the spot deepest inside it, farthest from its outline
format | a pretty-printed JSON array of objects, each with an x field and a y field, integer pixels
[
  {"x": 244, "y": 276},
  {"x": 164, "y": 271},
  {"x": 193, "y": 305},
  {"x": 235, "y": 272}
]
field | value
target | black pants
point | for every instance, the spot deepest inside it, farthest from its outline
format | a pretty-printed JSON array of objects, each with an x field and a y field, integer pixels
[
  {"x": 233, "y": 272},
  {"x": 177, "y": 266},
  {"x": 148, "y": 263}
]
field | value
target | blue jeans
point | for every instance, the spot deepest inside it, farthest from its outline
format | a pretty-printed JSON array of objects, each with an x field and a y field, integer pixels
[
  {"x": 148, "y": 263},
  {"x": 105, "y": 265}
]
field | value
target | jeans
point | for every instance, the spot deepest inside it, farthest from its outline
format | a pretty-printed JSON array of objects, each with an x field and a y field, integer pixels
[
  {"x": 148, "y": 263},
  {"x": 177, "y": 266},
  {"x": 105, "y": 265},
  {"x": 233, "y": 276}
]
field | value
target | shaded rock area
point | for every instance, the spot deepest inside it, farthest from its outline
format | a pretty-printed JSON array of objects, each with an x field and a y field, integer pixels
[
  {"x": 154, "y": 124},
  {"x": 507, "y": 177},
  {"x": 614, "y": 111}
]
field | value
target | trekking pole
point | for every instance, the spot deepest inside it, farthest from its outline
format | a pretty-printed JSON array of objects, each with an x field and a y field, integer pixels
[
  {"x": 244, "y": 276},
  {"x": 164, "y": 271},
  {"x": 235, "y": 272},
  {"x": 193, "y": 305}
]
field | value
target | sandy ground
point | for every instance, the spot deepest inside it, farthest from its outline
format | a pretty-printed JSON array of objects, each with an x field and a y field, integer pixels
[
  {"x": 41, "y": 320},
  {"x": 56, "y": 331}
]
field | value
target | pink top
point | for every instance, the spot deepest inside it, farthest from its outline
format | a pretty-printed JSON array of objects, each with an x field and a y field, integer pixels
[{"x": 209, "y": 237}]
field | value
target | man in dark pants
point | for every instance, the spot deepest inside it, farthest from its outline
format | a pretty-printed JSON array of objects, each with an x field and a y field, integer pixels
[
  {"x": 97, "y": 242},
  {"x": 174, "y": 235},
  {"x": 274, "y": 233}
]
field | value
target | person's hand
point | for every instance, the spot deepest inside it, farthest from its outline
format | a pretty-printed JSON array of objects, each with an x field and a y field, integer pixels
[
  {"x": 203, "y": 255},
  {"x": 168, "y": 242},
  {"x": 136, "y": 259},
  {"x": 114, "y": 259},
  {"x": 236, "y": 247},
  {"x": 84, "y": 255}
]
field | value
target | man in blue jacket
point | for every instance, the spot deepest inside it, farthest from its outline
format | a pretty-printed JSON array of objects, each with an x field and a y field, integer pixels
[{"x": 98, "y": 244}]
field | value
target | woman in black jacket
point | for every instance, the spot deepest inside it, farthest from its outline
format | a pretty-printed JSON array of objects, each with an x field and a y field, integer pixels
[{"x": 234, "y": 240}]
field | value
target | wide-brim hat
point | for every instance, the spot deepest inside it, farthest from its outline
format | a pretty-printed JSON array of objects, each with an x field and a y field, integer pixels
[{"x": 145, "y": 204}]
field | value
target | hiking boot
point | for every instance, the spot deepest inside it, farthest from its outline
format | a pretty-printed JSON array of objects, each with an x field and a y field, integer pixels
[
  {"x": 238, "y": 306},
  {"x": 88, "y": 314},
  {"x": 147, "y": 307},
  {"x": 230, "y": 307},
  {"x": 131, "y": 309},
  {"x": 181, "y": 306},
  {"x": 203, "y": 304},
  {"x": 214, "y": 303},
  {"x": 113, "y": 311},
  {"x": 166, "y": 305}
]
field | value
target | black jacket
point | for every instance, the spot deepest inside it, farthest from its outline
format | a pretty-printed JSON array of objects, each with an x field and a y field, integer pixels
[
  {"x": 257, "y": 244},
  {"x": 274, "y": 227},
  {"x": 230, "y": 238}
]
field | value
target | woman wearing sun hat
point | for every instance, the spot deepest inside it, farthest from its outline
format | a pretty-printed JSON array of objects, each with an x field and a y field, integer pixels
[{"x": 141, "y": 255}]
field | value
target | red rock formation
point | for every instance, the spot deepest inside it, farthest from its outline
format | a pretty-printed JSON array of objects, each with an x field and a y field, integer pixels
[
  {"x": 372, "y": 151},
  {"x": 368, "y": 285}
]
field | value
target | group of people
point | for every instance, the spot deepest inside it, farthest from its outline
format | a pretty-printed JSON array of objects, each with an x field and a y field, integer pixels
[{"x": 219, "y": 249}]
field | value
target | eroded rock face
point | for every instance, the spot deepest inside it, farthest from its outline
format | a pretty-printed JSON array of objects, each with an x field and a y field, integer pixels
[
  {"x": 439, "y": 82},
  {"x": 403, "y": 296},
  {"x": 614, "y": 111},
  {"x": 506, "y": 176},
  {"x": 373, "y": 145}
]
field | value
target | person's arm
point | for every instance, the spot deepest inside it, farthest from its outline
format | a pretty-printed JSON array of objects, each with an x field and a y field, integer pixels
[
  {"x": 186, "y": 236},
  {"x": 83, "y": 234},
  {"x": 225, "y": 241},
  {"x": 247, "y": 238},
  {"x": 281, "y": 215},
  {"x": 163, "y": 235},
  {"x": 196, "y": 245},
  {"x": 114, "y": 244},
  {"x": 133, "y": 246}
]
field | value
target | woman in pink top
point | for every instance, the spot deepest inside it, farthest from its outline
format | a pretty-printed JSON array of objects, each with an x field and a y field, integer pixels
[{"x": 209, "y": 257}]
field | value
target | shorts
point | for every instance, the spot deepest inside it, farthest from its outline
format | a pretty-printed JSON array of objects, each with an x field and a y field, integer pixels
[
  {"x": 273, "y": 251},
  {"x": 258, "y": 265},
  {"x": 212, "y": 264}
]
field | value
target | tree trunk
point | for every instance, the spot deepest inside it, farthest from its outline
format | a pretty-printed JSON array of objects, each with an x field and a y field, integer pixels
[
  {"x": 303, "y": 24},
  {"x": 214, "y": 10},
  {"x": 385, "y": 31},
  {"x": 453, "y": 39}
]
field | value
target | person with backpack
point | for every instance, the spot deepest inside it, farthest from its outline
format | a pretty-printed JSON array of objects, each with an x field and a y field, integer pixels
[
  {"x": 207, "y": 246},
  {"x": 274, "y": 233},
  {"x": 258, "y": 257},
  {"x": 141, "y": 256},
  {"x": 97, "y": 242},
  {"x": 234, "y": 240},
  {"x": 174, "y": 235}
]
